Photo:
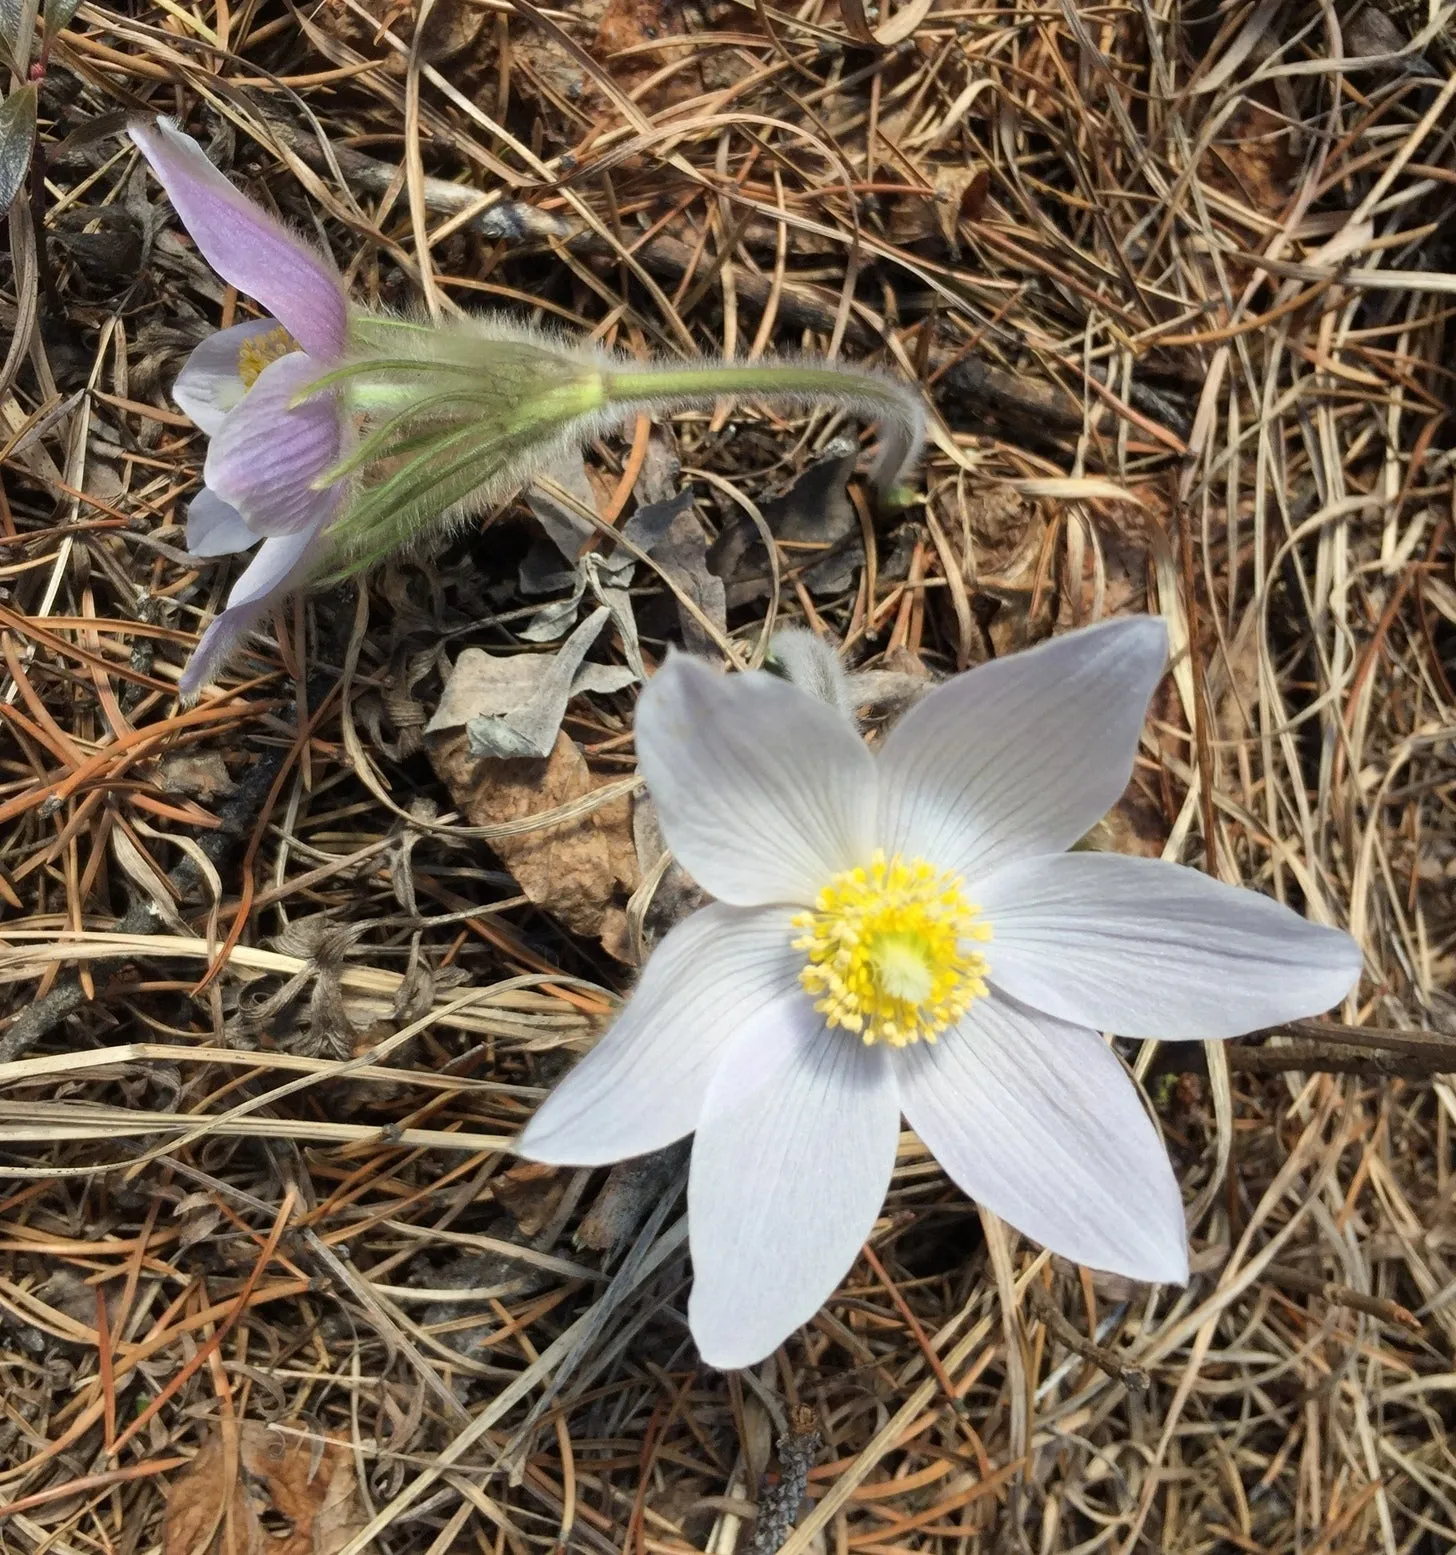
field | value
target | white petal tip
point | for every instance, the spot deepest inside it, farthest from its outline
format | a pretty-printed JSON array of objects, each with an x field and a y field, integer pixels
[
  {"x": 552, "y": 1147},
  {"x": 1172, "y": 1271},
  {"x": 1148, "y": 634},
  {"x": 1143, "y": 637},
  {"x": 1149, "y": 1266},
  {"x": 720, "y": 1345},
  {"x": 729, "y": 1358}
]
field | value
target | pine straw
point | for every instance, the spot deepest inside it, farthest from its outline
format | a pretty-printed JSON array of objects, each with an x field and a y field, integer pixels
[{"x": 1179, "y": 290}]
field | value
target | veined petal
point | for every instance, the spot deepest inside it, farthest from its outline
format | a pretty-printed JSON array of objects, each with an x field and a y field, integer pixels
[
  {"x": 215, "y": 527},
  {"x": 719, "y": 972},
  {"x": 244, "y": 244},
  {"x": 1036, "y": 1120},
  {"x": 282, "y": 564},
  {"x": 1023, "y": 755},
  {"x": 268, "y": 455},
  {"x": 786, "y": 1182},
  {"x": 764, "y": 793},
  {"x": 209, "y": 385},
  {"x": 1151, "y": 949}
]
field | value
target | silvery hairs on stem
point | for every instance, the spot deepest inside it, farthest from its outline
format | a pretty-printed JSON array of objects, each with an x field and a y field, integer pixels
[{"x": 452, "y": 417}]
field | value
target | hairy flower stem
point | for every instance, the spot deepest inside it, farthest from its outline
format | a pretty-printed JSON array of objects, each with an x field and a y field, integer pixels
[{"x": 895, "y": 405}]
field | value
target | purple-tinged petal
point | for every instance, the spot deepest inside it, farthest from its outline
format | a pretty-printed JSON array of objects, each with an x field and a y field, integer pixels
[
  {"x": 1146, "y": 948},
  {"x": 209, "y": 385},
  {"x": 282, "y": 565},
  {"x": 641, "y": 1087},
  {"x": 764, "y": 793},
  {"x": 1023, "y": 755},
  {"x": 244, "y": 244},
  {"x": 1036, "y": 1120},
  {"x": 215, "y": 527},
  {"x": 787, "y": 1180},
  {"x": 268, "y": 455}
]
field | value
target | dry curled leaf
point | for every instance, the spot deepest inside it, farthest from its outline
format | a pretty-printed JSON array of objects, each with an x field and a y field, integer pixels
[
  {"x": 451, "y": 28},
  {"x": 203, "y": 777},
  {"x": 512, "y": 704},
  {"x": 282, "y": 1495},
  {"x": 956, "y": 195},
  {"x": 814, "y": 522},
  {"x": 673, "y": 537},
  {"x": 208, "y": 1508},
  {"x": 575, "y": 870},
  {"x": 531, "y": 1192}
]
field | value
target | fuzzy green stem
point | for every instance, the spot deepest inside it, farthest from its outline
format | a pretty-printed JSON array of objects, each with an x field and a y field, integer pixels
[{"x": 897, "y": 406}]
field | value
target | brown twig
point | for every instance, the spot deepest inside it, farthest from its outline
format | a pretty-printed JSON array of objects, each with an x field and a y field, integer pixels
[{"x": 1042, "y": 1305}]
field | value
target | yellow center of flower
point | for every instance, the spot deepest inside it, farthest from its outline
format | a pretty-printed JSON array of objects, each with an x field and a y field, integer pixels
[
  {"x": 257, "y": 351},
  {"x": 887, "y": 951}
]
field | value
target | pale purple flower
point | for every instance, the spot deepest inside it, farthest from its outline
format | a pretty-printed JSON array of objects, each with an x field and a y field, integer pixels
[
  {"x": 906, "y": 933},
  {"x": 340, "y": 435},
  {"x": 272, "y": 443}
]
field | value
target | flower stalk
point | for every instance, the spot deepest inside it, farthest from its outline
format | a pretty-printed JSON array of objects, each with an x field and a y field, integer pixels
[
  {"x": 898, "y": 410},
  {"x": 340, "y": 435},
  {"x": 453, "y": 417}
]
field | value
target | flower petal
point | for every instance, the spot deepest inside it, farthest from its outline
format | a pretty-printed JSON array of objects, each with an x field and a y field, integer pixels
[
  {"x": 1023, "y": 755},
  {"x": 786, "y": 1182},
  {"x": 719, "y": 972},
  {"x": 1151, "y": 949},
  {"x": 764, "y": 793},
  {"x": 244, "y": 244},
  {"x": 268, "y": 455},
  {"x": 1036, "y": 1120},
  {"x": 209, "y": 385},
  {"x": 215, "y": 527},
  {"x": 281, "y": 565}
]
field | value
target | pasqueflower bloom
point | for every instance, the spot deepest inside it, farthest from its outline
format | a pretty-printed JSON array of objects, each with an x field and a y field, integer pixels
[
  {"x": 270, "y": 449},
  {"x": 906, "y": 933},
  {"x": 340, "y": 434}
]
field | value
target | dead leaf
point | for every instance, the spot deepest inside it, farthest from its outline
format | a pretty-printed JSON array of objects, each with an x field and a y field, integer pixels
[
  {"x": 450, "y": 29},
  {"x": 567, "y": 530},
  {"x": 200, "y": 1216},
  {"x": 531, "y": 1192},
  {"x": 210, "y": 1511},
  {"x": 628, "y": 24},
  {"x": 310, "y": 1481},
  {"x": 610, "y": 30},
  {"x": 304, "y": 1482},
  {"x": 144, "y": 874},
  {"x": 631, "y": 1190},
  {"x": 1000, "y": 542},
  {"x": 676, "y": 895},
  {"x": 511, "y": 705},
  {"x": 198, "y": 777},
  {"x": 673, "y": 537},
  {"x": 814, "y": 521},
  {"x": 957, "y": 195},
  {"x": 572, "y": 870},
  {"x": 1134, "y": 825},
  {"x": 1251, "y": 160}
]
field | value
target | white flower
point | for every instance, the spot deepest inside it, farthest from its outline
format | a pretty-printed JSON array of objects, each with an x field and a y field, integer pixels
[{"x": 906, "y": 933}]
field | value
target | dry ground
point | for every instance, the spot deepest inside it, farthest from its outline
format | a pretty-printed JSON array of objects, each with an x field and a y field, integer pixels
[{"x": 1177, "y": 279}]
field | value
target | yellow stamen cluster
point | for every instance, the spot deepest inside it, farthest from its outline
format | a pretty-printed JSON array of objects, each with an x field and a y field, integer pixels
[
  {"x": 258, "y": 351},
  {"x": 887, "y": 951}
]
